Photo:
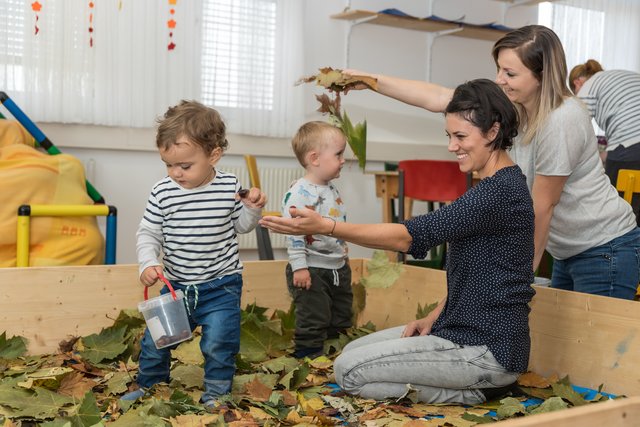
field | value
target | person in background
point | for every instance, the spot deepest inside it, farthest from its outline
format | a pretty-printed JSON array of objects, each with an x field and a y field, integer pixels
[
  {"x": 613, "y": 100},
  {"x": 318, "y": 272},
  {"x": 192, "y": 217},
  {"x": 475, "y": 343},
  {"x": 590, "y": 231}
]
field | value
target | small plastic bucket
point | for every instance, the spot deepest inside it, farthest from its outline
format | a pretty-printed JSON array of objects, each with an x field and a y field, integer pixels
[{"x": 166, "y": 317}]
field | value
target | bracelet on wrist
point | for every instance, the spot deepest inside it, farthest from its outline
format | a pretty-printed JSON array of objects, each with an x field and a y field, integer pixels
[{"x": 334, "y": 225}]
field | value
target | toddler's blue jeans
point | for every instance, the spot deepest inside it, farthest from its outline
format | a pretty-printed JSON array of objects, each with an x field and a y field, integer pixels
[{"x": 216, "y": 307}]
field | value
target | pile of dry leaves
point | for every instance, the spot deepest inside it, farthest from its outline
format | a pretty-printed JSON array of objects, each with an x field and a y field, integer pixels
[{"x": 81, "y": 385}]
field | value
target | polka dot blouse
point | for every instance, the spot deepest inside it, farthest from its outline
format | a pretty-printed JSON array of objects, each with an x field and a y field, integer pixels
[{"x": 489, "y": 230}]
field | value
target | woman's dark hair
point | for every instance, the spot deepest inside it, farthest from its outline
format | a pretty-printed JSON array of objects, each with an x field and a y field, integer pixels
[{"x": 483, "y": 103}]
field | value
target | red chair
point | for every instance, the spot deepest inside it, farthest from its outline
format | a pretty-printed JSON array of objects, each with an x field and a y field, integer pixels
[{"x": 432, "y": 181}]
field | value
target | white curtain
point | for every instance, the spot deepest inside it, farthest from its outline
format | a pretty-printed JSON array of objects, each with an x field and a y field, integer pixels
[
  {"x": 286, "y": 112},
  {"x": 612, "y": 37},
  {"x": 129, "y": 77}
]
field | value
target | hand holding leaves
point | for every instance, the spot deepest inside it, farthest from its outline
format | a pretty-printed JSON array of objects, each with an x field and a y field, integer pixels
[{"x": 335, "y": 81}]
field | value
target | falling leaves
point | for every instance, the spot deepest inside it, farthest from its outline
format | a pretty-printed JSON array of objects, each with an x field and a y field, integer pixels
[
  {"x": 382, "y": 272},
  {"x": 337, "y": 82}
]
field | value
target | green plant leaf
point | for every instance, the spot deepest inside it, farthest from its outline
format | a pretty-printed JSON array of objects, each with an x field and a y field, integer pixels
[
  {"x": 554, "y": 403},
  {"x": 258, "y": 340},
  {"x": 87, "y": 413},
  {"x": 382, "y": 272},
  {"x": 424, "y": 311},
  {"x": 107, "y": 345},
  {"x": 356, "y": 137},
  {"x": 42, "y": 405},
  {"x": 190, "y": 376},
  {"x": 510, "y": 407},
  {"x": 13, "y": 347},
  {"x": 294, "y": 378},
  {"x": 563, "y": 389},
  {"x": 118, "y": 382}
]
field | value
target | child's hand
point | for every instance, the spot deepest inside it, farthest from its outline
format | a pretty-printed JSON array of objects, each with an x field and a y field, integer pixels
[
  {"x": 253, "y": 198},
  {"x": 150, "y": 275},
  {"x": 302, "y": 279}
]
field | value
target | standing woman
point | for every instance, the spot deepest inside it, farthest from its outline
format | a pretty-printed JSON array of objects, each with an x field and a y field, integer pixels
[
  {"x": 613, "y": 100},
  {"x": 589, "y": 231}
]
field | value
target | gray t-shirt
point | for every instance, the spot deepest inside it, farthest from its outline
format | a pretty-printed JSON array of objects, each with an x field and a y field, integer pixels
[{"x": 590, "y": 212}]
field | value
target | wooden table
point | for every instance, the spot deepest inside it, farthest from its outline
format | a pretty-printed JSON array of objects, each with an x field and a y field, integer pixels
[
  {"x": 387, "y": 189},
  {"x": 387, "y": 185}
]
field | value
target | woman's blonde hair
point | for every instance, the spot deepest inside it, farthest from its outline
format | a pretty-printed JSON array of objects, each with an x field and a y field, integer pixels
[
  {"x": 540, "y": 50},
  {"x": 585, "y": 70}
]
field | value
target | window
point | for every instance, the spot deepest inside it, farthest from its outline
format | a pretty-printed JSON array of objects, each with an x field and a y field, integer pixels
[
  {"x": 238, "y": 44},
  {"x": 580, "y": 29},
  {"x": 238, "y": 56},
  {"x": 12, "y": 45}
]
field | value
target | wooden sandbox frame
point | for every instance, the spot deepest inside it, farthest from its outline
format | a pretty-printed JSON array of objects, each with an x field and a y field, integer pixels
[{"x": 595, "y": 340}]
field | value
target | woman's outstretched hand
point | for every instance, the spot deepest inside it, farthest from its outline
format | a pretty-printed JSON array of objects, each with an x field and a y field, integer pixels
[
  {"x": 349, "y": 72},
  {"x": 302, "y": 222}
]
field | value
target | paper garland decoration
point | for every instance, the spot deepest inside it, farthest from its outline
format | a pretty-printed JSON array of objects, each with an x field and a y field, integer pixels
[
  {"x": 36, "y": 6},
  {"x": 91, "y": 6},
  {"x": 171, "y": 24}
]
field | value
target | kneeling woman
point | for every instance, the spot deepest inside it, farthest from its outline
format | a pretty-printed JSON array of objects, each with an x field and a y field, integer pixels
[{"x": 477, "y": 340}]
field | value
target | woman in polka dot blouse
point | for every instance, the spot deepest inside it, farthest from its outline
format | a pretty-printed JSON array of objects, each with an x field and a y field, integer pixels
[{"x": 476, "y": 342}]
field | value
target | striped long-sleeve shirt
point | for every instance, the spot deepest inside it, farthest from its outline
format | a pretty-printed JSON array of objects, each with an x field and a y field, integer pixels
[
  {"x": 195, "y": 229},
  {"x": 613, "y": 100}
]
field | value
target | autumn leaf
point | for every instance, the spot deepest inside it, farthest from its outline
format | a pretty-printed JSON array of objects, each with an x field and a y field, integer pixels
[
  {"x": 554, "y": 403},
  {"x": 531, "y": 379},
  {"x": 106, "y": 345},
  {"x": 259, "y": 342},
  {"x": 510, "y": 407},
  {"x": 356, "y": 137},
  {"x": 240, "y": 381},
  {"x": 337, "y": 82},
  {"x": 280, "y": 364},
  {"x": 422, "y": 312},
  {"x": 190, "y": 376},
  {"x": 117, "y": 382},
  {"x": 258, "y": 391},
  {"x": 334, "y": 80},
  {"x": 189, "y": 352},
  {"x": 76, "y": 385},
  {"x": 564, "y": 390},
  {"x": 42, "y": 404},
  {"x": 13, "y": 347},
  {"x": 382, "y": 272},
  {"x": 293, "y": 379},
  {"x": 87, "y": 413}
]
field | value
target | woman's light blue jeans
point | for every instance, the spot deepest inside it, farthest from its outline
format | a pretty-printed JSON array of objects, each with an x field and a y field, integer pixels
[
  {"x": 217, "y": 310},
  {"x": 612, "y": 269},
  {"x": 382, "y": 365}
]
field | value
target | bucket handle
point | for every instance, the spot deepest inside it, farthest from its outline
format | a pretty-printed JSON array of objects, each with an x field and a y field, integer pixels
[{"x": 168, "y": 283}]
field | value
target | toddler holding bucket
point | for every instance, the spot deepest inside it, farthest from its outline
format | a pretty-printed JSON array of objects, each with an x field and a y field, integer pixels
[{"x": 192, "y": 217}]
